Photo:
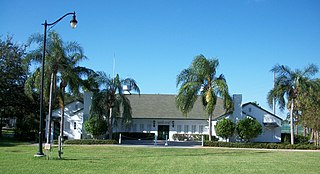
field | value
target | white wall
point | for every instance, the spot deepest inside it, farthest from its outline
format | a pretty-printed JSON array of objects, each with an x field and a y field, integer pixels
[
  {"x": 146, "y": 126},
  {"x": 73, "y": 115},
  {"x": 269, "y": 133}
]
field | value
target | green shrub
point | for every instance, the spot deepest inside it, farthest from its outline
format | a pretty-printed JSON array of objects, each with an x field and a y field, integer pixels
[
  {"x": 225, "y": 128},
  {"x": 96, "y": 126},
  {"x": 286, "y": 138},
  {"x": 134, "y": 136},
  {"x": 248, "y": 129},
  {"x": 213, "y": 138},
  {"x": 261, "y": 145}
]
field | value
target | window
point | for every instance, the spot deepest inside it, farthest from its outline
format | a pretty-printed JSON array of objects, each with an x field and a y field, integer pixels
[
  {"x": 186, "y": 128},
  {"x": 76, "y": 106},
  {"x": 201, "y": 129},
  {"x": 74, "y": 125},
  {"x": 66, "y": 125},
  {"x": 193, "y": 129},
  {"x": 179, "y": 128},
  {"x": 148, "y": 128},
  {"x": 141, "y": 127},
  {"x": 134, "y": 127},
  {"x": 249, "y": 109}
]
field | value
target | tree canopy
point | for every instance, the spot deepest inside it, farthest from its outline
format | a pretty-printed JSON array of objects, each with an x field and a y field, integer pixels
[
  {"x": 289, "y": 85},
  {"x": 225, "y": 128},
  {"x": 13, "y": 101},
  {"x": 248, "y": 128}
]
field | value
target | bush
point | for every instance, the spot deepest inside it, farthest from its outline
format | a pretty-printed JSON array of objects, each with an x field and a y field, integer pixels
[
  {"x": 286, "y": 138},
  {"x": 134, "y": 136},
  {"x": 261, "y": 145},
  {"x": 248, "y": 128},
  {"x": 96, "y": 126},
  {"x": 225, "y": 128}
]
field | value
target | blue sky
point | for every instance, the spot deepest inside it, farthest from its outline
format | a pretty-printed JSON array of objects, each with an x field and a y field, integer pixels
[{"x": 154, "y": 40}]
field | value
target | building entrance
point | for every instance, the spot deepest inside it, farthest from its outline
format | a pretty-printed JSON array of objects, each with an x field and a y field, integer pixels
[{"x": 163, "y": 131}]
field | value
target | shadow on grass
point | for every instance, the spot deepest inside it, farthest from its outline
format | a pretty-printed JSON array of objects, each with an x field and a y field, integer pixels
[{"x": 9, "y": 142}]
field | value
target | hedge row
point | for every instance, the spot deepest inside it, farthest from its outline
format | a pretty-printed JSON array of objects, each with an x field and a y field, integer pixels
[
  {"x": 133, "y": 136},
  {"x": 192, "y": 137},
  {"x": 261, "y": 145},
  {"x": 90, "y": 141}
]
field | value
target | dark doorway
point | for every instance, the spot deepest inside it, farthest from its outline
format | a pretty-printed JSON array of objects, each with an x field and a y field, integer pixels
[
  {"x": 163, "y": 131},
  {"x": 56, "y": 130}
]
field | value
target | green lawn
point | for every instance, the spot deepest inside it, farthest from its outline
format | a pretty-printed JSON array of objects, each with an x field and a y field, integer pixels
[{"x": 18, "y": 158}]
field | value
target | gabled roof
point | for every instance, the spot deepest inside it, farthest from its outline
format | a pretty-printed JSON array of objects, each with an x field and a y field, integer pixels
[
  {"x": 257, "y": 106},
  {"x": 56, "y": 112},
  {"x": 163, "y": 106}
]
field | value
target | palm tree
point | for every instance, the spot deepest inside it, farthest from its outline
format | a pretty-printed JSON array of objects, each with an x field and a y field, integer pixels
[
  {"x": 62, "y": 65},
  {"x": 200, "y": 80},
  {"x": 110, "y": 101},
  {"x": 288, "y": 86},
  {"x": 309, "y": 106}
]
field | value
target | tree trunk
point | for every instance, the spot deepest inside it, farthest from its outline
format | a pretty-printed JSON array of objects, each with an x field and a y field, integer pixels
[
  {"x": 304, "y": 131},
  {"x": 312, "y": 135},
  {"x": 0, "y": 126},
  {"x": 62, "y": 86},
  {"x": 210, "y": 127},
  {"x": 110, "y": 124},
  {"x": 50, "y": 110},
  {"x": 317, "y": 138},
  {"x": 291, "y": 122},
  {"x": 297, "y": 129}
]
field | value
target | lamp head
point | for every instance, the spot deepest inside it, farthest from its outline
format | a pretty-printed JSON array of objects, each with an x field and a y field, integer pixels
[{"x": 73, "y": 22}]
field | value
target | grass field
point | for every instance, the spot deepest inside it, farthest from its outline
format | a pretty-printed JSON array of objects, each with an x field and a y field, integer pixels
[{"x": 18, "y": 158}]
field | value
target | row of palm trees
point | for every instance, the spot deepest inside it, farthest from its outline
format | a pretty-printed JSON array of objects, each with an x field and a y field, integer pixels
[
  {"x": 295, "y": 88},
  {"x": 61, "y": 67}
]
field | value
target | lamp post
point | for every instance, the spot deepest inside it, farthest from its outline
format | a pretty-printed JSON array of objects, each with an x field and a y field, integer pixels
[{"x": 73, "y": 24}]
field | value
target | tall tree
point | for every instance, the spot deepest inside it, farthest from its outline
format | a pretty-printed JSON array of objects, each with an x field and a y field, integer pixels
[
  {"x": 13, "y": 73},
  {"x": 61, "y": 66},
  {"x": 288, "y": 86},
  {"x": 200, "y": 80},
  {"x": 309, "y": 106},
  {"x": 111, "y": 101}
]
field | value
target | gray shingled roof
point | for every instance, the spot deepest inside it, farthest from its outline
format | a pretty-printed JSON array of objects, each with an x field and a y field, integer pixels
[{"x": 160, "y": 106}]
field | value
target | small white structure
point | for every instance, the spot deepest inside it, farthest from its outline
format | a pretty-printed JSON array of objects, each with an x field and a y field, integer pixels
[
  {"x": 271, "y": 124},
  {"x": 155, "y": 113},
  {"x": 73, "y": 120}
]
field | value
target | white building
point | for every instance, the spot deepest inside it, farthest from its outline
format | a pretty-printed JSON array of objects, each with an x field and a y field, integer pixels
[
  {"x": 73, "y": 121},
  {"x": 155, "y": 113},
  {"x": 271, "y": 124}
]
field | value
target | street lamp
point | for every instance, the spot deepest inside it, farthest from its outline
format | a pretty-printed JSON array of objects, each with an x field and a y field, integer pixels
[{"x": 73, "y": 24}]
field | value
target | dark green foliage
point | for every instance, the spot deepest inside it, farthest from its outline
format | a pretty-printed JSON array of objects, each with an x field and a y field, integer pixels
[
  {"x": 13, "y": 101},
  {"x": 90, "y": 141},
  {"x": 96, "y": 126},
  {"x": 261, "y": 145},
  {"x": 248, "y": 128},
  {"x": 285, "y": 137},
  {"x": 225, "y": 128},
  {"x": 134, "y": 136}
]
